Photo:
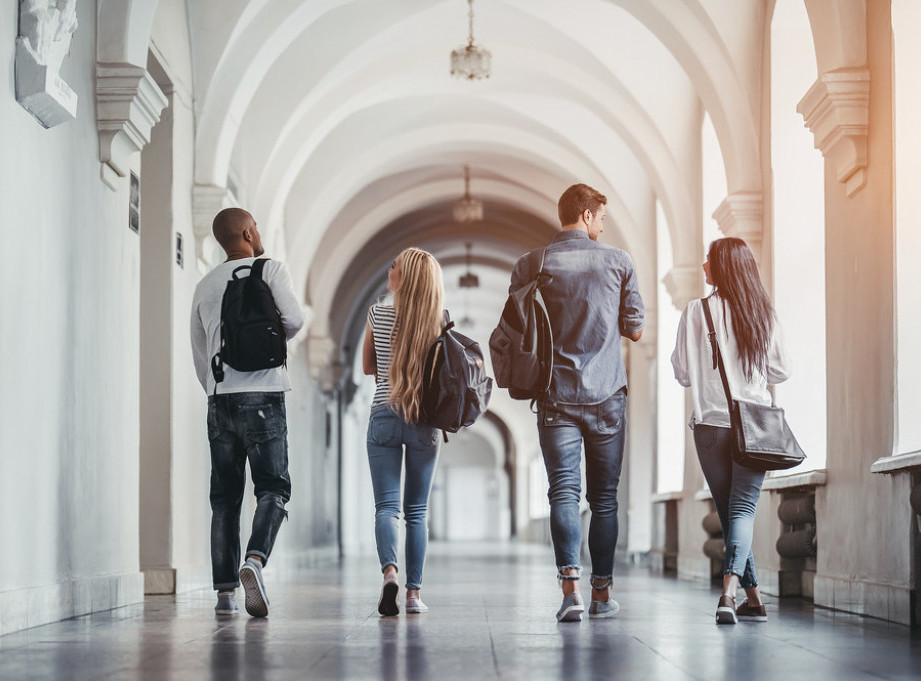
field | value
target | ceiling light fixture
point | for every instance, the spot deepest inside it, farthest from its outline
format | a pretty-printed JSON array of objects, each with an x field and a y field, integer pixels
[
  {"x": 467, "y": 209},
  {"x": 469, "y": 279},
  {"x": 471, "y": 61}
]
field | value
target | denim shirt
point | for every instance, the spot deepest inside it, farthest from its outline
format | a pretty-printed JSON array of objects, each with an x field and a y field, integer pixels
[{"x": 592, "y": 300}]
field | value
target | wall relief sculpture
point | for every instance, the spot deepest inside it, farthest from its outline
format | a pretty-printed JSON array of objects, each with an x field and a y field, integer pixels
[{"x": 45, "y": 31}]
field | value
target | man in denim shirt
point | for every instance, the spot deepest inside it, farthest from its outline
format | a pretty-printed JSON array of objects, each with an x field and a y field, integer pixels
[{"x": 592, "y": 301}]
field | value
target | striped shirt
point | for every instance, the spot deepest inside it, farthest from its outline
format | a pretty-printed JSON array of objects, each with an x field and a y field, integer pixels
[{"x": 382, "y": 318}]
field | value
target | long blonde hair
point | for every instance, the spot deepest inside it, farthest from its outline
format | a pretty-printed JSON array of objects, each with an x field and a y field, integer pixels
[{"x": 418, "y": 303}]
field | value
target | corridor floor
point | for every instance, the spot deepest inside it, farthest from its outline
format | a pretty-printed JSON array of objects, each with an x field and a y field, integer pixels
[{"x": 492, "y": 617}]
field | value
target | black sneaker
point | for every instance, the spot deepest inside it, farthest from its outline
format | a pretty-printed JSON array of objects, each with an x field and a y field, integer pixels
[
  {"x": 726, "y": 610},
  {"x": 387, "y": 605}
]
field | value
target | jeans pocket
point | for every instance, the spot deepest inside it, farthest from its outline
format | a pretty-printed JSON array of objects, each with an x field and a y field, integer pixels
[
  {"x": 550, "y": 415},
  {"x": 260, "y": 422},
  {"x": 427, "y": 435},
  {"x": 611, "y": 414},
  {"x": 383, "y": 429}
]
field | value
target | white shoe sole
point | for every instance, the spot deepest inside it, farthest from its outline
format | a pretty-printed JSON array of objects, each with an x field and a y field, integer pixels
[
  {"x": 601, "y": 615},
  {"x": 257, "y": 604},
  {"x": 571, "y": 614},
  {"x": 726, "y": 616},
  {"x": 753, "y": 618}
]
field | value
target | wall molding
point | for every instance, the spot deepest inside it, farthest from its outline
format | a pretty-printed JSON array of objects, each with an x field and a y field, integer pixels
[
  {"x": 898, "y": 463},
  {"x": 885, "y": 601},
  {"x": 128, "y": 106},
  {"x": 34, "y": 606},
  {"x": 836, "y": 110}
]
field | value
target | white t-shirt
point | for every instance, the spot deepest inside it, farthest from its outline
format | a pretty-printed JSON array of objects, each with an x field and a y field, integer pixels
[
  {"x": 692, "y": 361},
  {"x": 206, "y": 327}
]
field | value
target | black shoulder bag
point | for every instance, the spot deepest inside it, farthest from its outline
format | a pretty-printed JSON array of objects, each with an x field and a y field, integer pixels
[{"x": 762, "y": 440}]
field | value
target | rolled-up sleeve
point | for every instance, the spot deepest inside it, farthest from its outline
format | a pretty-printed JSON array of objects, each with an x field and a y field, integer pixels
[
  {"x": 680, "y": 353},
  {"x": 632, "y": 311},
  {"x": 778, "y": 363}
]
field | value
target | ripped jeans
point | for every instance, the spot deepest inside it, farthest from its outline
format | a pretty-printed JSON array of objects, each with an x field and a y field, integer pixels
[
  {"x": 241, "y": 426},
  {"x": 735, "y": 491}
]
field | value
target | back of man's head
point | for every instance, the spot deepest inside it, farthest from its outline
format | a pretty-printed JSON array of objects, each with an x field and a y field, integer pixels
[
  {"x": 576, "y": 200},
  {"x": 228, "y": 226}
]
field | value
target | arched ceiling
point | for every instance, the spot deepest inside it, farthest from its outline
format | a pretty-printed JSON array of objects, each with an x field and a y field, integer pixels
[{"x": 345, "y": 134}]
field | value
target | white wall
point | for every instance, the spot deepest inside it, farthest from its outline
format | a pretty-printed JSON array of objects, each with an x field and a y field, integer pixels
[
  {"x": 671, "y": 425},
  {"x": 799, "y": 231},
  {"x": 69, "y": 428},
  {"x": 906, "y": 21}
]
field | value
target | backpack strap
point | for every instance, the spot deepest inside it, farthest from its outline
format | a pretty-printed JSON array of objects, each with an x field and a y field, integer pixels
[{"x": 258, "y": 266}]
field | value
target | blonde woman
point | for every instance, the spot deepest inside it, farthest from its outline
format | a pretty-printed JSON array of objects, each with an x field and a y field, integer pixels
[{"x": 397, "y": 339}]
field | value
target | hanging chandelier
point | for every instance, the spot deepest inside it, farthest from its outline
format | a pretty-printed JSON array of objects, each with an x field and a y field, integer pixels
[
  {"x": 470, "y": 61},
  {"x": 467, "y": 209},
  {"x": 469, "y": 279}
]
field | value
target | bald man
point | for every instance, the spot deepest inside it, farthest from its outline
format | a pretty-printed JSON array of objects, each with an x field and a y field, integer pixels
[{"x": 246, "y": 419}]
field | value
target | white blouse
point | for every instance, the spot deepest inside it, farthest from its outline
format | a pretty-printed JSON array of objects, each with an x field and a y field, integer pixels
[{"x": 693, "y": 364}]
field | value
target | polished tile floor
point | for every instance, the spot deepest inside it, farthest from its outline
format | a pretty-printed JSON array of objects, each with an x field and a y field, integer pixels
[{"x": 492, "y": 617}]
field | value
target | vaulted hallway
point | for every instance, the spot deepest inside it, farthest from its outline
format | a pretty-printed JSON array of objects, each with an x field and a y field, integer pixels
[{"x": 126, "y": 125}]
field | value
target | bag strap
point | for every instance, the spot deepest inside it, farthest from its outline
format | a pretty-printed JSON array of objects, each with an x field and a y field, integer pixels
[
  {"x": 717, "y": 355},
  {"x": 258, "y": 266}
]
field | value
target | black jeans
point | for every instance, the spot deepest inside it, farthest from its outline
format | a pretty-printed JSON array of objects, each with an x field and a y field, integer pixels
[{"x": 241, "y": 426}]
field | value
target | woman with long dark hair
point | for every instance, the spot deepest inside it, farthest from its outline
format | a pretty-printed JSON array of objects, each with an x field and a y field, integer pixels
[
  {"x": 397, "y": 339},
  {"x": 749, "y": 339}
]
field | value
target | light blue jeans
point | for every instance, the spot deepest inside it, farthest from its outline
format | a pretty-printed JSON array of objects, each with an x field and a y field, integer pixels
[
  {"x": 388, "y": 434},
  {"x": 735, "y": 491}
]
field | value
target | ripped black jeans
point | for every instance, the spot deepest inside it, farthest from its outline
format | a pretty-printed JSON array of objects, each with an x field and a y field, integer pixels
[
  {"x": 735, "y": 491},
  {"x": 241, "y": 426}
]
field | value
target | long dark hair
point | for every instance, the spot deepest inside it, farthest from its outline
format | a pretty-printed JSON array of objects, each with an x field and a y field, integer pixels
[{"x": 735, "y": 276}]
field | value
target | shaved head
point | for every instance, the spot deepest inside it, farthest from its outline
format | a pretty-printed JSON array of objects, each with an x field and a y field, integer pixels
[{"x": 229, "y": 224}]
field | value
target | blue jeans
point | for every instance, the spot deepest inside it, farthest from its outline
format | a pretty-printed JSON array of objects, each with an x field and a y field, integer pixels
[
  {"x": 241, "y": 426},
  {"x": 387, "y": 436},
  {"x": 563, "y": 428},
  {"x": 735, "y": 491}
]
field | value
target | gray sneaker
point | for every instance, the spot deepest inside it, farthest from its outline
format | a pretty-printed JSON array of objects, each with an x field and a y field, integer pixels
[
  {"x": 571, "y": 610},
  {"x": 257, "y": 603},
  {"x": 608, "y": 608},
  {"x": 226, "y": 604}
]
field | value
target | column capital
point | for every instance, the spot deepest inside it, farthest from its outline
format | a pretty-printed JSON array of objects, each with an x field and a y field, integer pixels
[
  {"x": 128, "y": 106},
  {"x": 684, "y": 283},
  {"x": 740, "y": 215},
  {"x": 319, "y": 357},
  {"x": 837, "y": 111},
  {"x": 207, "y": 201}
]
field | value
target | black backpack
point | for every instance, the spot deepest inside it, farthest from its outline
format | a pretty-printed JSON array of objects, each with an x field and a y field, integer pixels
[
  {"x": 455, "y": 386},
  {"x": 252, "y": 335},
  {"x": 521, "y": 346}
]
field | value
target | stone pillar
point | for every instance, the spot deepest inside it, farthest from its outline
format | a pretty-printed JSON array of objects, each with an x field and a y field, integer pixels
[
  {"x": 640, "y": 455},
  {"x": 864, "y": 561}
]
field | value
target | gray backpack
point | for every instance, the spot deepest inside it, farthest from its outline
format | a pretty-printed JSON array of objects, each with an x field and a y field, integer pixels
[{"x": 521, "y": 346}]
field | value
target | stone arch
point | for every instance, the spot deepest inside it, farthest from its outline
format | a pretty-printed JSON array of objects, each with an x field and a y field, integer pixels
[{"x": 123, "y": 30}]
